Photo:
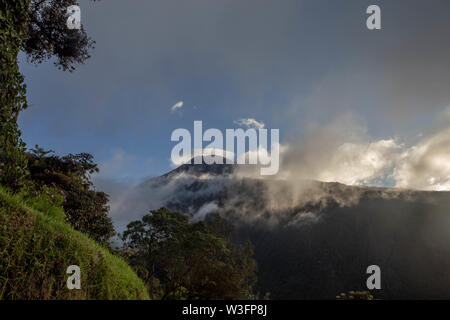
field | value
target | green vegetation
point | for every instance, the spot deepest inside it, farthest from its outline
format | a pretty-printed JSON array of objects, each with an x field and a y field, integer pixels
[
  {"x": 182, "y": 260},
  {"x": 48, "y": 37},
  {"x": 86, "y": 209},
  {"x": 36, "y": 247},
  {"x": 13, "y": 21}
]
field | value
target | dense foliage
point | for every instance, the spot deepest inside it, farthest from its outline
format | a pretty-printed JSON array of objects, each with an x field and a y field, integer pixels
[
  {"x": 183, "y": 260},
  {"x": 48, "y": 35},
  {"x": 13, "y": 28},
  {"x": 86, "y": 209}
]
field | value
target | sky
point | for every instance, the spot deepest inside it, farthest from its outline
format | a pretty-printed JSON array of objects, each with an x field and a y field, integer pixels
[{"x": 353, "y": 105}]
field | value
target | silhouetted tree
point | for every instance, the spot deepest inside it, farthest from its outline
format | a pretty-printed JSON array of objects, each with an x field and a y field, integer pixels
[
  {"x": 183, "y": 260},
  {"x": 48, "y": 36}
]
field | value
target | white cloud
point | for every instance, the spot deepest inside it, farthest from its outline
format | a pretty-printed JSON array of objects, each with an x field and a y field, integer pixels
[
  {"x": 362, "y": 163},
  {"x": 303, "y": 218},
  {"x": 176, "y": 106},
  {"x": 426, "y": 165},
  {"x": 207, "y": 152},
  {"x": 342, "y": 152},
  {"x": 205, "y": 210},
  {"x": 250, "y": 123}
]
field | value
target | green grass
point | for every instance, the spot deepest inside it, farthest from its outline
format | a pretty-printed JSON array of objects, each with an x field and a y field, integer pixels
[{"x": 37, "y": 246}]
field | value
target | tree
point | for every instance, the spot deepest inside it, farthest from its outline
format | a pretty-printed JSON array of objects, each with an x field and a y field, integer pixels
[
  {"x": 182, "y": 260},
  {"x": 13, "y": 26},
  {"x": 48, "y": 36},
  {"x": 86, "y": 209},
  {"x": 38, "y": 27}
]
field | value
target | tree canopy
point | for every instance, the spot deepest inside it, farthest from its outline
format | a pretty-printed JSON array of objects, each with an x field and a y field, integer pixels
[
  {"x": 48, "y": 35},
  {"x": 183, "y": 260},
  {"x": 86, "y": 209}
]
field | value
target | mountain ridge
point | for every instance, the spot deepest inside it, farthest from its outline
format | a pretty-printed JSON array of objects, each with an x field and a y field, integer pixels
[{"x": 314, "y": 240}]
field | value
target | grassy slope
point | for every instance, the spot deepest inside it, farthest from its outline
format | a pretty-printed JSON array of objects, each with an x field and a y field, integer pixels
[{"x": 37, "y": 246}]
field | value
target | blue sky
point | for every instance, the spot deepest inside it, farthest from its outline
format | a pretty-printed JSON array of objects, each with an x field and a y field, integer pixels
[{"x": 291, "y": 64}]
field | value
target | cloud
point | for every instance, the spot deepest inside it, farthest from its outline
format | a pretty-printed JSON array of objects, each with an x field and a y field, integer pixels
[
  {"x": 177, "y": 106},
  {"x": 132, "y": 202},
  {"x": 362, "y": 163},
  {"x": 343, "y": 152},
  {"x": 426, "y": 166},
  {"x": 205, "y": 210},
  {"x": 250, "y": 123},
  {"x": 303, "y": 218},
  {"x": 330, "y": 154},
  {"x": 207, "y": 152},
  {"x": 117, "y": 164}
]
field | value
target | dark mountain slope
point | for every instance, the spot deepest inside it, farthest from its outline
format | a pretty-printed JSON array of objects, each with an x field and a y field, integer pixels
[{"x": 315, "y": 240}]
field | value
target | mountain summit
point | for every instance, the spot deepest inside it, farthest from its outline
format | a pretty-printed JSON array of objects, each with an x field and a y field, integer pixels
[{"x": 198, "y": 169}]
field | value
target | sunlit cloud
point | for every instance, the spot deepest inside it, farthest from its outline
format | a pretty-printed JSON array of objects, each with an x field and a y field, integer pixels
[
  {"x": 250, "y": 123},
  {"x": 177, "y": 106}
]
